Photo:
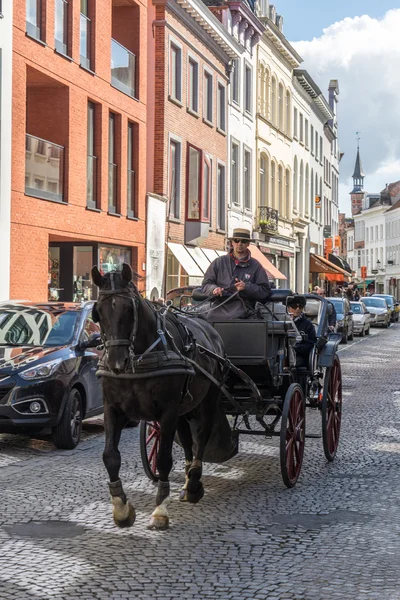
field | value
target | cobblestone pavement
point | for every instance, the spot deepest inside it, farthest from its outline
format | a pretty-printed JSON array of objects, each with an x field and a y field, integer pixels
[{"x": 336, "y": 535}]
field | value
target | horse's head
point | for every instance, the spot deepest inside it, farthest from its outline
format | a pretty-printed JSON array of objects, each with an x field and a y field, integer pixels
[{"x": 116, "y": 311}]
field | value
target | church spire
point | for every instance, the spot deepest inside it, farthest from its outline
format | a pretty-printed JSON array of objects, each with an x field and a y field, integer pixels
[{"x": 358, "y": 175}]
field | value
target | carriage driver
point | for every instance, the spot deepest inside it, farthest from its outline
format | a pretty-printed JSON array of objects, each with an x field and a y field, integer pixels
[{"x": 236, "y": 273}]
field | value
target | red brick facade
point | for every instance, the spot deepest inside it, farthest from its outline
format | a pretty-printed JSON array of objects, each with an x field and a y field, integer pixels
[
  {"x": 50, "y": 101},
  {"x": 174, "y": 119}
]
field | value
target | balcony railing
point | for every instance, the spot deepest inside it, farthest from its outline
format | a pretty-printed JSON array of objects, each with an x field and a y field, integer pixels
[
  {"x": 91, "y": 178},
  {"x": 123, "y": 69},
  {"x": 267, "y": 219},
  {"x": 131, "y": 193},
  {"x": 44, "y": 169},
  {"x": 112, "y": 188}
]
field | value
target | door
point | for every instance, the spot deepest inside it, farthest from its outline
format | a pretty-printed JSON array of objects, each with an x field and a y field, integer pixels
[{"x": 90, "y": 359}]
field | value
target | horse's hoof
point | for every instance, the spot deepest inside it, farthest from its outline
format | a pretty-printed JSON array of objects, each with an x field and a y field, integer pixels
[
  {"x": 160, "y": 523},
  {"x": 183, "y": 496},
  {"x": 193, "y": 497},
  {"x": 129, "y": 521}
]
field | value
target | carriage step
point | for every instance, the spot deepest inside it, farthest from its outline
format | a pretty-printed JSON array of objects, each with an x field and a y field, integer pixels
[{"x": 317, "y": 436}]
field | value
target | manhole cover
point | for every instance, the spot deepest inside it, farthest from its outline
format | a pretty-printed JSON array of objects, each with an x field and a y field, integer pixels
[{"x": 45, "y": 529}]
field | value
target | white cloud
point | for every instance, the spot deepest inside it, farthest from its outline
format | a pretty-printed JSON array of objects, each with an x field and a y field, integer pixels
[{"x": 364, "y": 55}]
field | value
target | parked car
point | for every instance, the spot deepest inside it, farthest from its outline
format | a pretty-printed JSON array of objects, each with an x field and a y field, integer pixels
[
  {"x": 393, "y": 305},
  {"x": 378, "y": 309},
  {"x": 344, "y": 316},
  {"x": 48, "y": 363},
  {"x": 361, "y": 318}
]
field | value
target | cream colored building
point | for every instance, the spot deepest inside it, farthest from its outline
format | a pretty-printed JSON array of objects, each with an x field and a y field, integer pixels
[{"x": 273, "y": 226}]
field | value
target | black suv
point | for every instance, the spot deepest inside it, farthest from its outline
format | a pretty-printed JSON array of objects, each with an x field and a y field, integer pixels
[
  {"x": 48, "y": 364},
  {"x": 344, "y": 316}
]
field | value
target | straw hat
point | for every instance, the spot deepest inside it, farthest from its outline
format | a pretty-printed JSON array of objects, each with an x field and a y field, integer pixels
[{"x": 241, "y": 234}]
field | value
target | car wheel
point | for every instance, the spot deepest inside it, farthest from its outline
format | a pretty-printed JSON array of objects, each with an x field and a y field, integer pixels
[
  {"x": 368, "y": 331},
  {"x": 362, "y": 334},
  {"x": 386, "y": 324},
  {"x": 67, "y": 434}
]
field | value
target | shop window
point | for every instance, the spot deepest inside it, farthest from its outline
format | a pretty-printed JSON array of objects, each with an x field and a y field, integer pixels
[
  {"x": 54, "y": 274},
  {"x": 82, "y": 264},
  {"x": 111, "y": 258}
]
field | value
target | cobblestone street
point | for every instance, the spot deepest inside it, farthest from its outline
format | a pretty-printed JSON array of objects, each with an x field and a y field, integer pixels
[{"x": 335, "y": 535}]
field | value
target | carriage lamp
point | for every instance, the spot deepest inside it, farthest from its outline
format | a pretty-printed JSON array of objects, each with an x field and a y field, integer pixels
[{"x": 41, "y": 371}]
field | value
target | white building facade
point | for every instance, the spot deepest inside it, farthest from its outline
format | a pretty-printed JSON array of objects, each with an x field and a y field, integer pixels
[
  {"x": 246, "y": 29},
  {"x": 5, "y": 144}
]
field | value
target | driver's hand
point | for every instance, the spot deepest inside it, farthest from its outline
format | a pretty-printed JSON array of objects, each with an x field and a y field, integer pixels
[
  {"x": 218, "y": 291},
  {"x": 240, "y": 285}
]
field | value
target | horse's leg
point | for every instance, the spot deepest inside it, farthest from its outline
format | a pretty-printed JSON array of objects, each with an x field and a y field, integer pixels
[
  {"x": 186, "y": 439},
  {"x": 194, "y": 486},
  {"x": 123, "y": 512},
  {"x": 160, "y": 518}
]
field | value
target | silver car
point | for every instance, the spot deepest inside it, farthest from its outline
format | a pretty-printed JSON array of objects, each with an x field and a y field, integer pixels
[
  {"x": 361, "y": 318},
  {"x": 378, "y": 309}
]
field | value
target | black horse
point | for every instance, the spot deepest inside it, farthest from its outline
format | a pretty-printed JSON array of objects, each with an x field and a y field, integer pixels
[{"x": 168, "y": 390}]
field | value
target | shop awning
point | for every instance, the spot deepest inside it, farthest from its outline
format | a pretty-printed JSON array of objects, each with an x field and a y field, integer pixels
[
  {"x": 184, "y": 258},
  {"x": 319, "y": 264},
  {"x": 369, "y": 281},
  {"x": 338, "y": 261},
  {"x": 272, "y": 271}
]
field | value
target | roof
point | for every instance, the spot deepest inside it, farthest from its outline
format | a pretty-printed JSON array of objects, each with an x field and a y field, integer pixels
[
  {"x": 309, "y": 85},
  {"x": 358, "y": 170}
]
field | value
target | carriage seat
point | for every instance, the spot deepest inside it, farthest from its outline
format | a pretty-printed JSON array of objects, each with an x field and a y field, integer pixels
[{"x": 312, "y": 311}]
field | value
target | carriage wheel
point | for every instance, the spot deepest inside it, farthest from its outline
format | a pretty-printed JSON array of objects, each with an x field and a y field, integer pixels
[
  {"x": 332, "y": 409},
  {"x": 150, "y": 434},
  {"x": 293, "y": 426}
]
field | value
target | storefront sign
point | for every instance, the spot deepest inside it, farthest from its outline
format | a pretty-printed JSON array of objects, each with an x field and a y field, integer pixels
[{"x": 281, "y": 241}]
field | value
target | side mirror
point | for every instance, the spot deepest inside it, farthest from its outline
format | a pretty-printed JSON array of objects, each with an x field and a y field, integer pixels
[
  {"x": 367, "y": 312},
  {"x": 93, "y": 341}
]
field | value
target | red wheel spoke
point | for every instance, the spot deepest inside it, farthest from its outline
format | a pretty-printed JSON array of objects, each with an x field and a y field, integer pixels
[{"x": 151, "y": 436}]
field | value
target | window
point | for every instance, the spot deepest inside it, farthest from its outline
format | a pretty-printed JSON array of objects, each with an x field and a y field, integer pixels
[
  {"x": 247, "y": 89},
  {"x": 175, "y": 69},
  {"x": 208, "y": 97},
  {"x": 131, "y": 172},
  {"x": 235, "y": 173},
  {"x": 312, "y": 139},
  {"x": 91, "y": 177},
  {"x": 112, "y": 166},
  {"x": 263, "y": 201},
  {"x": 85, "y": 36},
  {"x": 301, "y": 128},
  {"x": 312, "y": 201},
  {"x": 174, "y": 179},
  {"x": 295, "y": 184},
  {"x": 306, "y": 132},
  {"x": 235, "y": 81},
  {"x": 301, "y": 188},
  {"x": 34, "y": 18},
  {"x": 280, "y": 189},
  {"x": 207, "y": 182},
  {"x": 295, "y": 132},
  {"x": 288, "y": 112},
  {"x": 273, "y": 101},
  {"x": 61, "y": 26},
  {"x": 221, "y": 124},
  {"x": 287, "y": 192},
  {"x": 221, "y": 199},
  {"x": 307, "y": 190},
  {"x": 193, "y": 86},
  {"x": 320, "y": 150},
  {"x": 280, "y": 107},
  {"x": 247, "y": 179},
  {"x": 193, "y": 184},
  {"x": 316, "y": 145},
  {"x": 273, "y": 184}
]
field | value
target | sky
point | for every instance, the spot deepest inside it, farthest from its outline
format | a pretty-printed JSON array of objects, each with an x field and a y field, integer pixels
[{"x": 356, "y": 42}]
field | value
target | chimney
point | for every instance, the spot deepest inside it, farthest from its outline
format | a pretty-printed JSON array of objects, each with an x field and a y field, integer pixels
[
  {"x": 279, "y": 22},
  {"x": 272, "y": 13}
]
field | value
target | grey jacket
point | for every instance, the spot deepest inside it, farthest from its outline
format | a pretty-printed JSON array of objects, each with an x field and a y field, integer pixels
[{"x": 223, "y": 272}]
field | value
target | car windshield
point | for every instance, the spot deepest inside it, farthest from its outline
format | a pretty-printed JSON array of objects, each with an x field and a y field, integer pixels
[
  {"x": 356, "y": 308},
  {"x": 33, "y": 326},
  {"x": 388, "y": 299},
  {"x": 338, "y": 304},
  {"x": 376, "y": 302}
]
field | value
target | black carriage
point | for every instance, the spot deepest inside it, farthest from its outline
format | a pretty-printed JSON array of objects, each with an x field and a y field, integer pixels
[{"x": 263, "y": 392}]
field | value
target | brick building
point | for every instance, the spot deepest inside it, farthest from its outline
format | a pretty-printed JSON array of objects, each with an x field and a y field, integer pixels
[
  {"x": 191, "y": 51},
  {"x": 79, "y": 118}
]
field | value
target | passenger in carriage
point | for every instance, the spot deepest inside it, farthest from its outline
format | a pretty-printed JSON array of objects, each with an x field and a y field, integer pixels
[
  {"x": 238, "y": 274},
  {"x": 295, "y": 306}
]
